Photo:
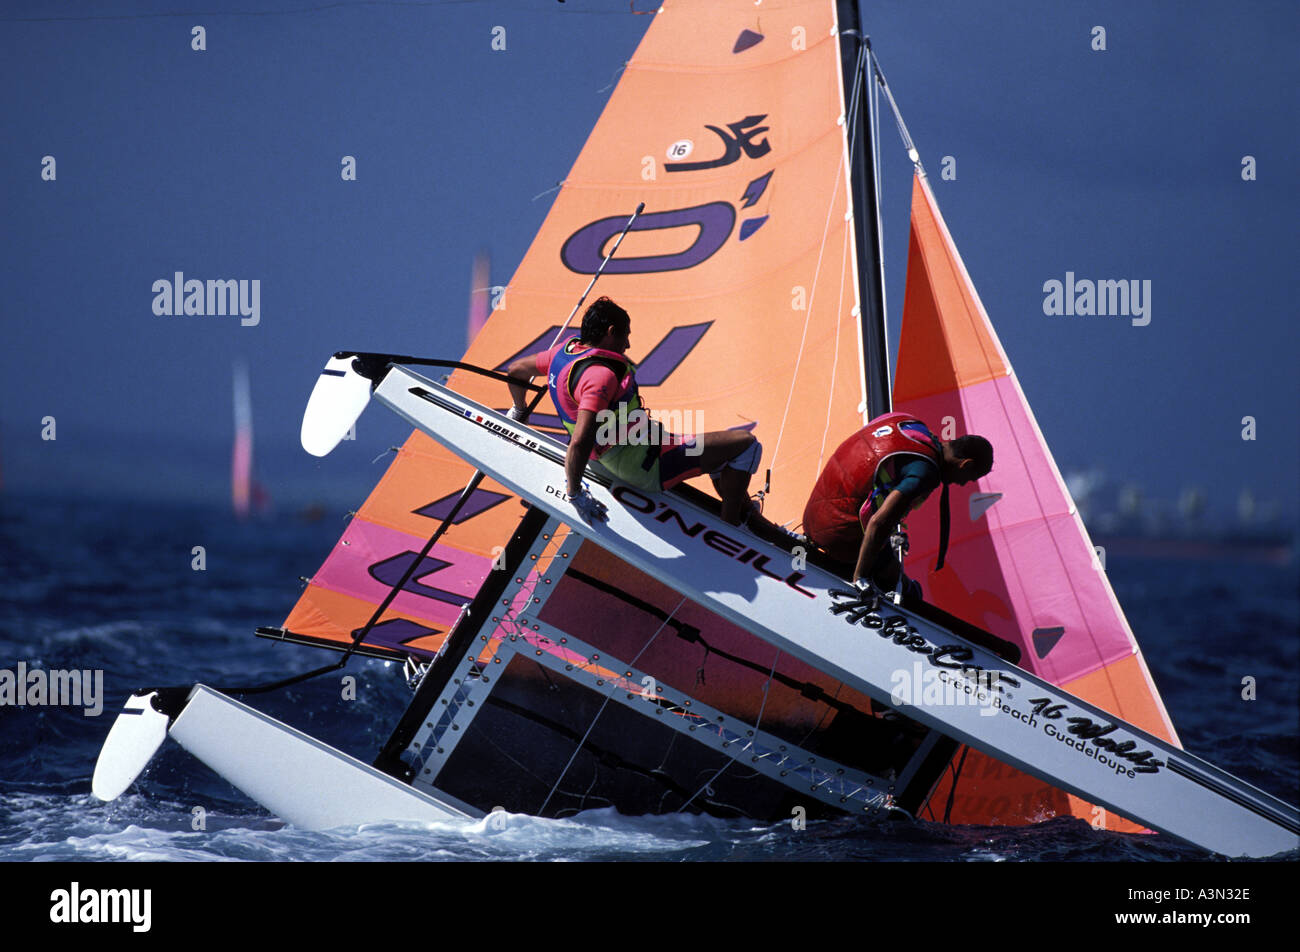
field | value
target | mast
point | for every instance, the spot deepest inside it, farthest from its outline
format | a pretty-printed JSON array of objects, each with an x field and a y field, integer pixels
[{"x": 855, "y": 45}]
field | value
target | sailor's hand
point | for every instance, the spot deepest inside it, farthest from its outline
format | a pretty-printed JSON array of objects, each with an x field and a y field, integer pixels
[
  {"x": 860, "y": 603},
  {"x": 589, "y": 507},
  {"x": 518, "y": 415},
  {"x": 862, "y": 592}
]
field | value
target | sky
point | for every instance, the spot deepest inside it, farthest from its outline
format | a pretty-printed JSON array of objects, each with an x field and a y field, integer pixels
[{"x": 1122, "y": 163}]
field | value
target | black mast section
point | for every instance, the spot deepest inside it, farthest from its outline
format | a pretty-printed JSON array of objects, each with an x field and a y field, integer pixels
[{"x": 862, "y": 193}]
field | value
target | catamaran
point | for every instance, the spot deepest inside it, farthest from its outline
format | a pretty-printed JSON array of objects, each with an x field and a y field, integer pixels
[{"x": 663, "y": 660}]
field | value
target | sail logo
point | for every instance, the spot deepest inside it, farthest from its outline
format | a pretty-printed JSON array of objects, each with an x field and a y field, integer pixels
[
  {"x": 583, "y": 251},
  {"x": 76, "y": 905},
  {"x": 54, "y": 688},
  {"x": 1084, "y": 297},
  {"x": 740, "y": 140},
  {"x": 195, "y": 298}
]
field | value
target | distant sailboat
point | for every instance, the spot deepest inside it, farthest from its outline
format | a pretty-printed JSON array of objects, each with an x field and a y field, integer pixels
[
  {"x": 246, "y": 494},
  {"x": 479, "y": 296}
]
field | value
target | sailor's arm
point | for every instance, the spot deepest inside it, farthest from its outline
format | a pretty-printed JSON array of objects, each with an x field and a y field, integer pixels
[
  {"x": 879, "y": 527},
  {"x": 521, "y": 372},
  {"x": 581, "y": 444}
]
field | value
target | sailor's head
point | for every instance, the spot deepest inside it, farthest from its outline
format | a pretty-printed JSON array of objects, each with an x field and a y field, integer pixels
[
  {"x": 966, "y": 459},
  {"x": 607, "y": 326}
]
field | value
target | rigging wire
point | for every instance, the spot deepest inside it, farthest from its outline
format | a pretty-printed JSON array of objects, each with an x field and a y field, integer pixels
[
  {"x": 839, "y": 314},
  {"x": 898, "y": 116},
  {"x": 952, "y": 793},
  {"x": 731, "y": 760},
  {"x": 839, "y": 170},
  {"x": 599, "y": 271},
  {"x": 613, "y": 686}
]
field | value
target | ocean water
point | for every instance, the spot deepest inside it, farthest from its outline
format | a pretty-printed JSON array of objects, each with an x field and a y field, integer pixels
[{"x": 107, "y": 585}]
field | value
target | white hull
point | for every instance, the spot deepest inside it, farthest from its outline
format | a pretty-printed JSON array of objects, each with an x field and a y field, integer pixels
[{"x": 298, "y": 778}]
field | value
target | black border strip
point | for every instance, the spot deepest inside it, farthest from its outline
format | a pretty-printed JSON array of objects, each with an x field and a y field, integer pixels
[{"x": 1287, "y": 823}]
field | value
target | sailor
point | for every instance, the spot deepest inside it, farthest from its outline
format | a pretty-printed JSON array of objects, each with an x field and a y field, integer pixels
[
  {"x": 877, "y": 476},
  {"x": 593, "y": 385}
]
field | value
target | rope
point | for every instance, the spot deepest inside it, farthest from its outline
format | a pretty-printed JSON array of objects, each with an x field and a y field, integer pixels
[{"x": 599, "y": 271}]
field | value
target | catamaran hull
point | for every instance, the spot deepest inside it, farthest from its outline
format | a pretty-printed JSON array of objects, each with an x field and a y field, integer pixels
[
  {"x": 1031, "y": 724},
  {"x": 298, "y": 778}
]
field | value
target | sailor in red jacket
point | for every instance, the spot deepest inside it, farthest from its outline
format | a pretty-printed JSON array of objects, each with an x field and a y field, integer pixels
[{"x": 875, "y": 478}]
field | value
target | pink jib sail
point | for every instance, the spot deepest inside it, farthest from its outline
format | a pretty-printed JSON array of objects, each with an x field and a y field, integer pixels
[{"x": 1020, "y": 563}]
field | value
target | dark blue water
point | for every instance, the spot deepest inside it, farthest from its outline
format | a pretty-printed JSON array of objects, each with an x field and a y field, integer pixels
[{"x": 110, "y": 586}]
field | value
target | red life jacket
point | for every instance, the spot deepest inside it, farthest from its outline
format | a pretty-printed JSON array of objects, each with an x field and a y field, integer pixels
[{"x": 856, "y": 475}]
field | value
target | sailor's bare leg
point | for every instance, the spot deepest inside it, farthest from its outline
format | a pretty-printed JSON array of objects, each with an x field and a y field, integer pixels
[
  {"x": 716, "y": 449},
  {"x": 733, "y": 487}
]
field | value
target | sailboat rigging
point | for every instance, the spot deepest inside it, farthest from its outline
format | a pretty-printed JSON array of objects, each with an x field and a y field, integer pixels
[{"x": 666, "y": 662}]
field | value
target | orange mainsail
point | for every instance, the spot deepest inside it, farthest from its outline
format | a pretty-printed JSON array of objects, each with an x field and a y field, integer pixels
[{"x": 740, "y": 277}]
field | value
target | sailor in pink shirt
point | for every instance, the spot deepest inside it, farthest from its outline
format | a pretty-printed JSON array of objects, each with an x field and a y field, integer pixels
[
  {"x": 590, "y": 377},
  {"x": 595, "y": 389}
]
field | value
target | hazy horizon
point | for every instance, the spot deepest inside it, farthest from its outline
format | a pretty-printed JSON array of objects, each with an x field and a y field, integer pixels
[{"x": 1122, "y": 164}]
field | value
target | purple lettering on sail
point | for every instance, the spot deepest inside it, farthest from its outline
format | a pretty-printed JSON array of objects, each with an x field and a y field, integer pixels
[
  {"x": 396, "y": 633},
  {"x": 669, "y": 354},
  {"x": 480, "y": 500},
  {"x": 754, "y": 190},
  {"x": 390, "y": 571},
  {"x": 584, "y": 251}
]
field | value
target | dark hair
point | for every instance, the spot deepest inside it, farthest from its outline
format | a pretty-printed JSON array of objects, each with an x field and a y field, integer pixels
[
  {"x": 975, "y": 448},
  {"x": 599, "y": 316}
]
